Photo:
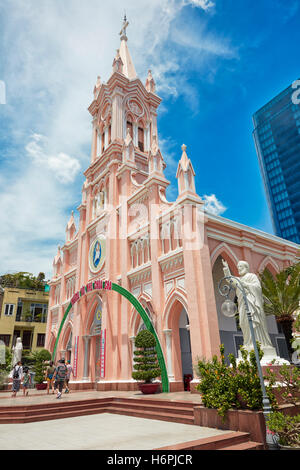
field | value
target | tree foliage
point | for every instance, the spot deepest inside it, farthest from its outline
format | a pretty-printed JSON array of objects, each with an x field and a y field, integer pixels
[
  {"x": 281, "y": 292},
  {"x": 145, "y": 358},
  {"x": 39, "y": 359},
  {"x": 23, "y": 280}
]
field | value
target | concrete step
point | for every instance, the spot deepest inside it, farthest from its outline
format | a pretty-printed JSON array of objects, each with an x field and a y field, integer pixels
[
  {"x": 172, "y": 417},
  {"x": 48, "y": 409},
  {"x": 54, "y": 415},
  {"x": 154, "y": 401},
  {"x": 133, "y": 407},
  {"x": 244, "y": 446},
  {"x": 154, "y": 408},
  {"x": 230, "y": 441},
  {"x": 59, "y": 403}
]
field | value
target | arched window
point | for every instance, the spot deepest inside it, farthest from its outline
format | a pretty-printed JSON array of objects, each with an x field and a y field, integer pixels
[
  {"x": 102, "y": 142},
  {"x": 141, "y": 144},
  {"x": 109, "y": 131},
  {"x": 130, "y": 127},
  {"x": 142, "y": 324}
]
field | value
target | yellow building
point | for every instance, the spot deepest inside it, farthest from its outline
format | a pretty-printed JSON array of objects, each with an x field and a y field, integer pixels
[{"x": 23, "y": 313}]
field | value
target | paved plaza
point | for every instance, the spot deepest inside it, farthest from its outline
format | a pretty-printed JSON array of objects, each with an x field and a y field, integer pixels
[{"x": 97, "y": 432}]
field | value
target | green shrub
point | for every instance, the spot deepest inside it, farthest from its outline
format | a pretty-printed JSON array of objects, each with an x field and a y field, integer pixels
[
  {"x": 39, "y": 359},
  {"x": 145, "y": 358},
  {"x": 6, "y": 367},
  {"x": 286, "y": 427},
  {"x": 224, "y": 386},
  {"x": 287, "y": 381},
  {"x": 44, "y": 355},
  {"x": 39, "y": 369}
]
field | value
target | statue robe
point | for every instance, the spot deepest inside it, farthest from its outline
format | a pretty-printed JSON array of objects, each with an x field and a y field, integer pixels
[{"x": 255, "y": 301}]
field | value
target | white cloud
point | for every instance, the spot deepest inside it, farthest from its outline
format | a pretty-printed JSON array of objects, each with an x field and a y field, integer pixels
[
  {"x": 213, "y": 205},
  {"x": 64, "y": 167},
  {"x": 33, "y": 218},
  {"x": 204, "y": 4}
]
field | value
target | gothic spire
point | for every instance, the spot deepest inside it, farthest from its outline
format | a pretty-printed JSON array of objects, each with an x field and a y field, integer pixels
[
  {"x": 185, "y": 174},
  {"x": 128, "y": 67}
]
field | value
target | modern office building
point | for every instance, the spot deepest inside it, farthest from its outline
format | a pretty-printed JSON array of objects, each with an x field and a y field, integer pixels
[{"x": 277, "y": 140}]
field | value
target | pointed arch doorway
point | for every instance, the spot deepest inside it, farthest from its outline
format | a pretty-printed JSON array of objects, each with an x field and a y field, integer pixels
[
  {"x": 178, "y": 340},
  {"x": 185, "y": 346},
  {"x": 95, "y": 335}
]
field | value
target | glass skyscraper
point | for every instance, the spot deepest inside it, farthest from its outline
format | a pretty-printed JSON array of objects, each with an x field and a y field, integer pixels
[{"x": 277, "y": 140}]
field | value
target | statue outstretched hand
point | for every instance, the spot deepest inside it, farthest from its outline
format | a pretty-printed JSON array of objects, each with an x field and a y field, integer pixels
[{"x": 226, "y": 268}]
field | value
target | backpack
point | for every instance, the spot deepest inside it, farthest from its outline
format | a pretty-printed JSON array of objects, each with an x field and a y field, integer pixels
[
  {"x": 16, "y": 373},
  {"x": 61, "y": 372}
]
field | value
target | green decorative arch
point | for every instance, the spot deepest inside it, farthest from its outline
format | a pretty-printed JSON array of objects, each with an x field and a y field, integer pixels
[{"x": 108, "y": 285}]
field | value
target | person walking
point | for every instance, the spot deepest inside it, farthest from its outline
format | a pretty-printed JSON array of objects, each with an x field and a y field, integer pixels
[
  {"x": 60, "y": 375},
  {"x": 26, "y": 381},
  {"x": 16, "y": 376},
  {"x": 49, "y": 376},
  {"x": 69, "y": 372}
]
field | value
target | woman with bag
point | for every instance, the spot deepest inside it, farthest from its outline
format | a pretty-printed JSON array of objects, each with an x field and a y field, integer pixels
[{"x": 16, "y": 376}]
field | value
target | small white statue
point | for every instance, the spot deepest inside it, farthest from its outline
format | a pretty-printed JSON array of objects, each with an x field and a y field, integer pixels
[
  {"x": 17, "y": 352},
  {"x": 253, "y": 292}
]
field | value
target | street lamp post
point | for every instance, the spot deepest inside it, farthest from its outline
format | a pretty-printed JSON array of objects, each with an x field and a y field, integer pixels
[{"x": 229, "y": 309}]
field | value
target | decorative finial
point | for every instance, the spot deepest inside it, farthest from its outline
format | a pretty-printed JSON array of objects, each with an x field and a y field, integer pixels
[
  {"x": 150, "y": 83},
  {"x": 183, "y": 147}
]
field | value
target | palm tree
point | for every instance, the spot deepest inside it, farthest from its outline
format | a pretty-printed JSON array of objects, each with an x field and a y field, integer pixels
[{"x": 282, "y": 296}]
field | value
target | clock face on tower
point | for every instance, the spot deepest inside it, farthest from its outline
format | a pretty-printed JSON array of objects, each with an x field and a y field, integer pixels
[{"x": 97, "y": 255}]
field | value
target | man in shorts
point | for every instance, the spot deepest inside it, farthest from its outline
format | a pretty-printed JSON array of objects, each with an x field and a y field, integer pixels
[{"x": 59, "y": 376}]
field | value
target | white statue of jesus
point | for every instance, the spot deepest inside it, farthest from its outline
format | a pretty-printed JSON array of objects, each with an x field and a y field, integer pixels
[{"x": 253, "y": 292}]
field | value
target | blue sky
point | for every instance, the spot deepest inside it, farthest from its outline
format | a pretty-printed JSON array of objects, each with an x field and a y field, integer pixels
[{"x": 215, "y": 63}]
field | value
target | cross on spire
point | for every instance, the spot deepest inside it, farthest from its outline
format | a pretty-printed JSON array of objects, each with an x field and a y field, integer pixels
[{"x": 124, "y": 27}]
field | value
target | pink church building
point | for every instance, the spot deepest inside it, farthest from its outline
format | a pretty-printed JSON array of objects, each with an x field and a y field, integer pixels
[{"x": 166, "y": 253}]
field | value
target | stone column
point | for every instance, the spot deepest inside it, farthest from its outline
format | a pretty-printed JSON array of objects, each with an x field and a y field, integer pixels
[
  {"x": 62, "y": 353},
  {"x": 135, "y": 134},
  {"x": 86, "y": 357},
  {"x": 99, "y": 143},
  {"x": 132, "y": 339},
  {"x": 118, "y": 124},
  {"x": 168, "y": 335},
  {"x": 105, "y": 137},
  {"x": 94, "y": 140},
  {"x": 147, "y": 138}
]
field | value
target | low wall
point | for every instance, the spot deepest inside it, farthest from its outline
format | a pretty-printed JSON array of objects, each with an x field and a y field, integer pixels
[
  {"x": 252, "y": 422},
  {"x": 249, "y": 421}
]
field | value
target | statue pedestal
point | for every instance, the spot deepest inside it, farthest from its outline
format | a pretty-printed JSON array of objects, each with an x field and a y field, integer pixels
[{"x": 269, "y": 356}]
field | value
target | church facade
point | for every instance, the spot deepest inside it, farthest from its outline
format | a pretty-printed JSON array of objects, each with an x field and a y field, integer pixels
[{"x": 168, "y": 254}]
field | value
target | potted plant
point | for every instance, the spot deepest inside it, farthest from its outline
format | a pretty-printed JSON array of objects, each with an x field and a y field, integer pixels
[
  {"x": 287, "y": 429},
  {"x": 146, "y": 366},
  {"x": 39, "y": 368}
]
